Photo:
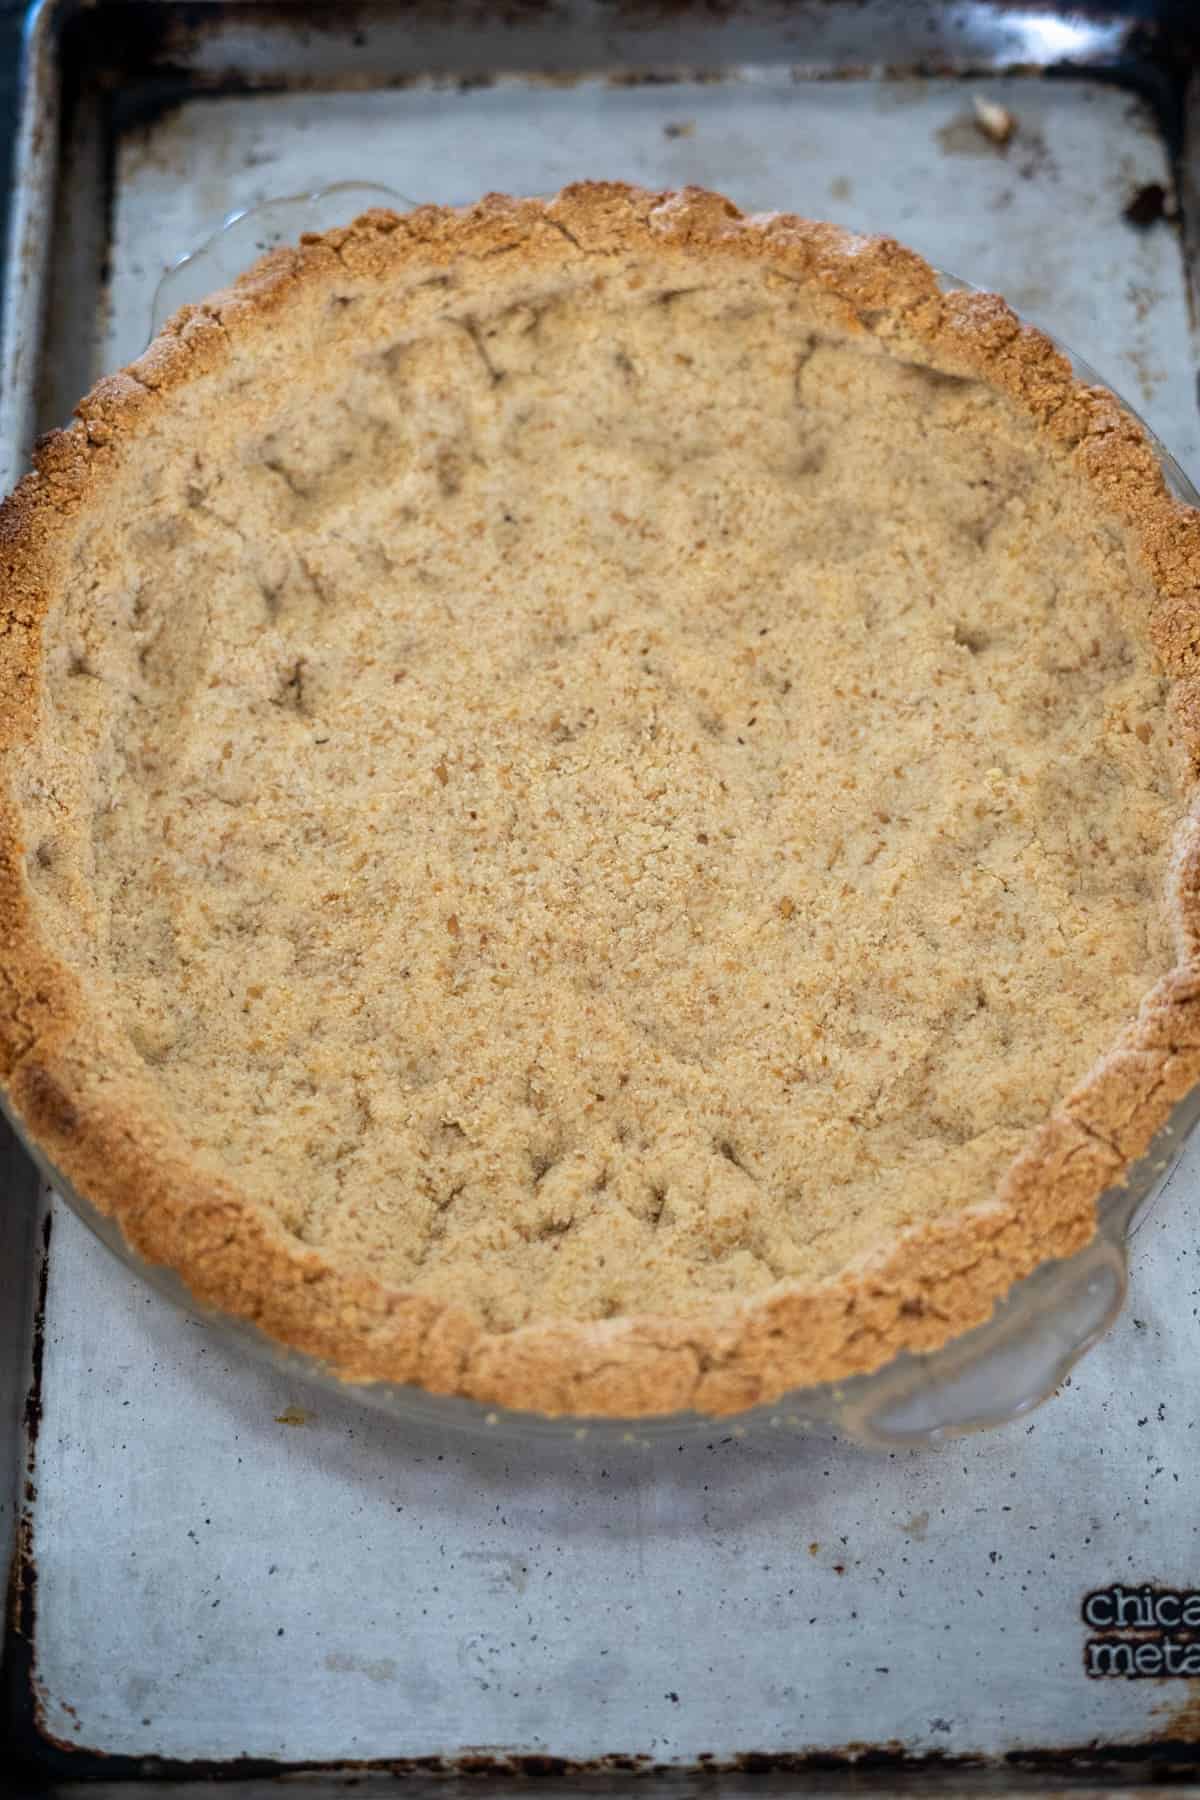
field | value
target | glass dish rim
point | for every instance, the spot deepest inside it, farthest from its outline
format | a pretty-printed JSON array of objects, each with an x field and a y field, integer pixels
[{"x": 1093, "y": 1280}]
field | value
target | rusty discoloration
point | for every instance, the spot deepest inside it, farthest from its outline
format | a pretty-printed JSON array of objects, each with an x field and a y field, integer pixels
[
  {"x": 1179, "y": 1720},
  {"x": 294, "y": 1415},
  {"x": 1151, "y": 203},
  {"x": 32, "y": 1416},
  {"x": 18, "y": 1688}
]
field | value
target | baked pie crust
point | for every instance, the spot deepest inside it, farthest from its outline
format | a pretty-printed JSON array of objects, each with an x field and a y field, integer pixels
[{"x": 597, "y": 801}]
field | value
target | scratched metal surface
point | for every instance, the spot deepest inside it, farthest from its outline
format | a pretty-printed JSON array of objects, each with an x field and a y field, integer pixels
[{"x": 230, "y": 1566}]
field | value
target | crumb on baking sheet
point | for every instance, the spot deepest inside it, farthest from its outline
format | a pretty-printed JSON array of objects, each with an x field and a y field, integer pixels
[{"x": 993, "y": 120}]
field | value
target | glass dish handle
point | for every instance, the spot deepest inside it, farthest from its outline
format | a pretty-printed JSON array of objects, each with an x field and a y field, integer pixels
[{"x": 1006, "y": 1367}]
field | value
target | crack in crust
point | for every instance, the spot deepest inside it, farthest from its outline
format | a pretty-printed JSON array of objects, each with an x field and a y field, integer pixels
[{"x": 95, "y": 1115}]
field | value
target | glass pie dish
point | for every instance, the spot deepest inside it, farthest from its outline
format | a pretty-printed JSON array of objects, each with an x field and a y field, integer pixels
[{"x": 988, "y": 1376}]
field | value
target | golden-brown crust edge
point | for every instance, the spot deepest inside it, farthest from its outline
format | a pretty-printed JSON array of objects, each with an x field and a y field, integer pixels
[{"x": 937, "y": 1281}]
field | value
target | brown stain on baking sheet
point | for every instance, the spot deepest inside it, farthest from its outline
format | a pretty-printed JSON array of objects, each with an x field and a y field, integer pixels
[
  {"x": 378, "y": 1669},
  {"x": 19, "y": 1689},
  {"x": 1180, "y": 1719},
  {"x": 294, "y": 1415},
  {"x": 1149, "y": 205},
  {"x": 1025, "y": 149},
  {"x": 961, "y": 136}
]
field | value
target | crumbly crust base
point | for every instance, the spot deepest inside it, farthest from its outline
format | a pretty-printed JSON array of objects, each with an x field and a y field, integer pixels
[{"x": 91, "y": 1118}]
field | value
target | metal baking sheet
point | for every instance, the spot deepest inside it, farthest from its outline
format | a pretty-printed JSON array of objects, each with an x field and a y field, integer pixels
[{"x": 228, "y": 1566}]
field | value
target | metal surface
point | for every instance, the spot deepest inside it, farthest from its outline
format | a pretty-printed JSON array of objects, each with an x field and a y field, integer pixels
[
  {"x": 573, "y": 1784},
  {"x": 228, "y": 1565},
  {"x": 28, "y": 249}
]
